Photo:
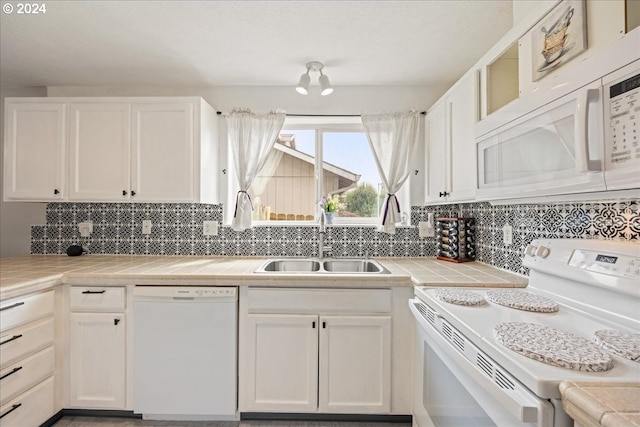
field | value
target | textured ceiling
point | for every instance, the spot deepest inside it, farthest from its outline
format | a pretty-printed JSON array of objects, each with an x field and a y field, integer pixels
[{"x": 246, "y": 43}]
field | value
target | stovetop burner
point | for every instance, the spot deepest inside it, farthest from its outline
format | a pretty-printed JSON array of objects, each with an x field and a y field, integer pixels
[
  {"x": 460, "y": 296},
  {"x": 623, "y": 344},
  {"x": 553, "y": 346},
  {"x": 522, "y": 300}
]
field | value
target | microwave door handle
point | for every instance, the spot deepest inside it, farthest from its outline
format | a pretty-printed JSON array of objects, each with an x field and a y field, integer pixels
[{"x": 583, "y": 161}]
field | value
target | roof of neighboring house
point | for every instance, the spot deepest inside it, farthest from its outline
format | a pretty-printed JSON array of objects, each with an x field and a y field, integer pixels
[{"x": 346, "y": 179}]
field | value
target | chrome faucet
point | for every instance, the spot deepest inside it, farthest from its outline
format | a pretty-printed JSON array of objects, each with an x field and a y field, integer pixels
[{"x": 322, "y": 249}]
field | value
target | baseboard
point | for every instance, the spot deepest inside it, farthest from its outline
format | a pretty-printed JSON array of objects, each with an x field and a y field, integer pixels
[
  {"x": 51, "y": 421},
  {"x": 100, "y": 413},
  {"x": 365, "y": 418}
]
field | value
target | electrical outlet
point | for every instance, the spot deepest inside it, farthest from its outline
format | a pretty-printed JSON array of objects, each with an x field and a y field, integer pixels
[
  {"x": 146, "y": 226},
  {"x": 507, "y": 234},
  {"x": 210, "y": 228},
  {"x": 85, "y": 228},
  {"x": 425, "y": 230}
]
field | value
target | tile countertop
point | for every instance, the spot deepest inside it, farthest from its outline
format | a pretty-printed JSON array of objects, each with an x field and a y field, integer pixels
[
  {"x": 31, "y": 273},
  {"x": 602, "y": 404}
]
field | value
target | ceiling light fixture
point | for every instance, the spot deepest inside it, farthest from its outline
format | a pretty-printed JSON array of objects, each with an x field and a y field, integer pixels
[{"x": 305, "y": 79}]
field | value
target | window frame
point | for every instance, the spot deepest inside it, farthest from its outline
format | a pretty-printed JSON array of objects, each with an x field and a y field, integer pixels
[{"x": 322, "y": 125}]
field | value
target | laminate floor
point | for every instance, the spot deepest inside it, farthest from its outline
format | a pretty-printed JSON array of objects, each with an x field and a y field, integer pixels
[{"x": 77, "y": 421}]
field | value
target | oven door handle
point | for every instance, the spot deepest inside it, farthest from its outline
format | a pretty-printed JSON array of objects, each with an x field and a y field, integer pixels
[{"x": 519, "y": 402}]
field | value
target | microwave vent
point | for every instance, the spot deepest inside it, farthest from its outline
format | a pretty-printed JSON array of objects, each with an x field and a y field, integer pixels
[{"x": 446, "y": 330}]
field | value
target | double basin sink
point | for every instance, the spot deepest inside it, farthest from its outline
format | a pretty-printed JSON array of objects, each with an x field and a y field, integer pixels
[{"x": 322, "y": 266}]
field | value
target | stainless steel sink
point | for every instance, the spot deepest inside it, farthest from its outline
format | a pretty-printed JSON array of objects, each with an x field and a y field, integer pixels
[
  {"x": 327, "y": 266},
  {"x": 352, "y": 266},
  {"x": 291, "y": 266}
]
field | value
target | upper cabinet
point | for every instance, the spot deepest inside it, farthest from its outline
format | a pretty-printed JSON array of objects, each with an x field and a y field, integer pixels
[
  {"x": 451, "y": 148},
  {"x": 99, "y": 151},
  {"x": 35, "y": 142},
  {"x": 128, "y": 149}
]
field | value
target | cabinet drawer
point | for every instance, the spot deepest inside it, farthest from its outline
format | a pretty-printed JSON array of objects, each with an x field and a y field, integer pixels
[
  {"x": 25, "y": 374},
  {"x": 19, "y": 342},
  {"x": 18, "y": 311},
  {"x": 319, "y": 301},
  {"x": 31, "y": 408},
  {"x": 97, "y": 298}
]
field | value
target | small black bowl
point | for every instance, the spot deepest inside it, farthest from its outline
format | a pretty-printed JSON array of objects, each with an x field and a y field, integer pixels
[{"x": 75, "y": 250}]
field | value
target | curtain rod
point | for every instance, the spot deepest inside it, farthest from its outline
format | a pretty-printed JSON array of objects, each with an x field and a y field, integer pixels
[{"x": 323, "y": 115}]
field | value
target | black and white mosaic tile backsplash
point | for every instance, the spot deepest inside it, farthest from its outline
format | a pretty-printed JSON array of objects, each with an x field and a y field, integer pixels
[{"x": 177, "y": 230}]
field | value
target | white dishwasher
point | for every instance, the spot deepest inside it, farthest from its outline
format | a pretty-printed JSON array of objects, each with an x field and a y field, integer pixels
[{"x": 184, "y": 350}]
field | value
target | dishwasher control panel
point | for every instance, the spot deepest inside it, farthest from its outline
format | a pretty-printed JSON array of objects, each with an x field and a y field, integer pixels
[{"x": 184, "y": 292}]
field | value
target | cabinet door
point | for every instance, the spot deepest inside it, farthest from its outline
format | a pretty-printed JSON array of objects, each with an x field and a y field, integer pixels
[
  {"x": 97, "y": 360},
  {"x": 462, "y": 106},
  {"x": 436, "y": 155},
  {"x": 162, "y": 155},
  {"x": 282, "y": 372},
  {"x": 99, "y": 151},
  {"x": 355, "y": 364},
  {"x": 35, "y": 144}
]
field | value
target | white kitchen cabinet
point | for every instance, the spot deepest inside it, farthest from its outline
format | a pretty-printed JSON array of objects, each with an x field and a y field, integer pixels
[
  {"x": 165, "y": 162},
  {"x": 97, "y": 348},
  {"x": 355, "y": 364},
  {"x": 27, "y": 360},
  {"x": 283, "y": 363},
  {"x": 99, "y": 151},
  {"x": 35, "y": 151},
  {"x": 451, "y": 147},
  {"x": 315, "y": 350},
  {"x": 119, "y": 149},
  {"x": 436, "y": 154}
]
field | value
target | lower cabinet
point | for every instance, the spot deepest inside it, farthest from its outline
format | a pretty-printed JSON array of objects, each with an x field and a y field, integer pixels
[
  {"x": 27, "y": 360},
  {"x": 355, "y": 364},
  {"x": 97, "y": 359},
  {"x": 316, "y": 362}
]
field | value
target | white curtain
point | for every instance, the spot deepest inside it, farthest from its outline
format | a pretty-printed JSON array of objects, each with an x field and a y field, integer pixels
[
  {"x": 393, "y": 138},
  {"x": 251, "y": 138}
]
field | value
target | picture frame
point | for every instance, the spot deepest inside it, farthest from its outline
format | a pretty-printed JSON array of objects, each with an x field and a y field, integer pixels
[{"x": 559, "y": 37}]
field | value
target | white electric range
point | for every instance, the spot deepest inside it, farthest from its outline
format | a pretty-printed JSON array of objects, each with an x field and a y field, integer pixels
[{"x": 495, "y": 357}]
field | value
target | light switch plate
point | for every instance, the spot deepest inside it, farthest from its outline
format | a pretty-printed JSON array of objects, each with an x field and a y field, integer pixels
[
  {"x": 146, "y": 226},
  {"x": 424, "y": 230},
  {"x": 85, "y": 228},
  {"x": 507, "y": 234},
  {"x": 210, "y": 228}
]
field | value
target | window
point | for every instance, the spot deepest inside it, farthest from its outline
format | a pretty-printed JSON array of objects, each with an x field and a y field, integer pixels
[{"x": 310, "y": 161}]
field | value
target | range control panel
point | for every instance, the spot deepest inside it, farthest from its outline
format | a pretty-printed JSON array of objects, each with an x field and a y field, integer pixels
[{"x": 606, "y": 263}]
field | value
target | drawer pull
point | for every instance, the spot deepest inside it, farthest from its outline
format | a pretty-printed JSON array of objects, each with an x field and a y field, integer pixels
[
  {"x": 13, "y": 371},
  {"x": 13, "y": 408},
  {"x": 93, "y": 292},
  {"x": 18, "y": 304},
  {"x": 15, "y": 337}
]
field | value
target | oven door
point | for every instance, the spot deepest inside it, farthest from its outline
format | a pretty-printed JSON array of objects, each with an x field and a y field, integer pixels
[{"x": 451, "y": 391}]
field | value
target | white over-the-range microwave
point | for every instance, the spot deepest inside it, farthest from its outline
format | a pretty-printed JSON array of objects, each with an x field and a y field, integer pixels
[{"x": 577, "y": 133}]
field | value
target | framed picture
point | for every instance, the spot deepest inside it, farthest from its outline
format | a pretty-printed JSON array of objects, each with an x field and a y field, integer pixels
[{"x": 560, "y": 36}]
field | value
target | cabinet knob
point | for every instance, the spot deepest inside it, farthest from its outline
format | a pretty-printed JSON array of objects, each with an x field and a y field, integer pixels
[
  {"x": 133, "y": 193},
  {"x": 55, "y": 191},
  {"x": 443, "y": 194},
  {"x": 116, "y": 321},
  {"x": 124, "y": 192}
]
